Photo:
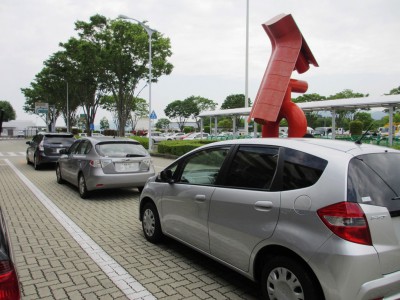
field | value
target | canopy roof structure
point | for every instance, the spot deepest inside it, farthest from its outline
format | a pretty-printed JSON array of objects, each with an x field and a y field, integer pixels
[{"x": 388, "y": 102}]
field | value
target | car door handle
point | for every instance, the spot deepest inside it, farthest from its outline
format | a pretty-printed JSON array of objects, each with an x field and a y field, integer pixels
[
  {"x": 200, "y": 198},
  {"x": 263, "y": 205}
]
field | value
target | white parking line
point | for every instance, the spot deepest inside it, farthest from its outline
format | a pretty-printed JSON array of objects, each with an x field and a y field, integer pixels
[{"x": 121, "y": 278}]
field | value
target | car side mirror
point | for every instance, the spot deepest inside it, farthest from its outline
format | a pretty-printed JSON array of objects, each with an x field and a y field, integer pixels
[
  {"x": 63, "y": 151},
  {"x": 28, "y": 142},
  {"x": 166, "y": 176}
]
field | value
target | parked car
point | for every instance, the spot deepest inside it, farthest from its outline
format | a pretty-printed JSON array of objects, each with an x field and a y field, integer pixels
[
  {"x": 184, "y": 136},
  {"x": 9, "y": 283},
  {"x": 97, "y": 163},
  {"x": 157, "y": 136},
  {"x": 197, "y": 136},
  {"x": 20, "y": 133},
  {"x": 175, "y": 136},
  {"x": 307, "y": 218},
  {"x": 45, "y": 147}
]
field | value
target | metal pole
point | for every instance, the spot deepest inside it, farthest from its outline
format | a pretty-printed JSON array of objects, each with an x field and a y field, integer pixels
[
  {"x": 246, "y": 93},
  {"x": 150, "y": 66},
  {"x": 67, "y": 109},
  {"x": 149, "y": 32}
]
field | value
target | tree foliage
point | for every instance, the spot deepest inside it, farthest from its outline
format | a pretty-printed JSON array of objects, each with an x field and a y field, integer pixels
[
  {"x": 395, "y": 91},
  {"x": 108, "y": 58},
  {"x": 180, "y": 110},
  {"x": 104, "y": 124},
  {"x": 163, "y": 123},
  {"x": 9, "y": 112},
  {"x": 199, "y": 104},
  {"x": 234, "y": 101}
]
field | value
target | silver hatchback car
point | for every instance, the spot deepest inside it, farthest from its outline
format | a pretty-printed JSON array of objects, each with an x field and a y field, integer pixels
[
  {"x": 104, "y": 162},
  {"x": 307, "y": 218}
]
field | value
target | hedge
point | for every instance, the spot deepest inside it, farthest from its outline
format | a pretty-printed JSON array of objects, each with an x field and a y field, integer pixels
[{"x": 179, "y": 148}]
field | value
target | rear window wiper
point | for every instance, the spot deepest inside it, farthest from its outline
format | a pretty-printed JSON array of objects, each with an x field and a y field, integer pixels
[{"x": 396, "y": 198}]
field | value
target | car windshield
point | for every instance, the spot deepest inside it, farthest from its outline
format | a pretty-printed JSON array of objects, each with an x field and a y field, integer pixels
[
  {"x": 374, "y": 179},
  {"x": 121, "y": 149}
]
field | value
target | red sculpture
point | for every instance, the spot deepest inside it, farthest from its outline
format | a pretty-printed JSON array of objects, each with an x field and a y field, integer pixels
[{"x": 273, "y": 101}]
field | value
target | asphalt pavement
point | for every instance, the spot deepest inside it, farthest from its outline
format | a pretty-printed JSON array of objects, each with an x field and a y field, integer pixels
[{"x": 69, "y": 248}]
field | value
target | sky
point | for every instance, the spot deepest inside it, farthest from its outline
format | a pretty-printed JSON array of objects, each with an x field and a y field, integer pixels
[{"x": 356, "y": 44}]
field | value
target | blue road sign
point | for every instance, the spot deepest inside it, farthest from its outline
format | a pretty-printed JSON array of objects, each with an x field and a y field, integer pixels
[
  {"x": 153, "y": 115},
  {"x": 91, "y": 126}
]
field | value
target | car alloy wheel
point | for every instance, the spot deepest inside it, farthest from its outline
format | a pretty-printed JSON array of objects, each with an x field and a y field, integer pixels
[
  {"x": 83, "y": 192},
  {"x": 60, "y": 180},
  {"x": 151, "y": 223},
  {"x": 36, "y": 162}
]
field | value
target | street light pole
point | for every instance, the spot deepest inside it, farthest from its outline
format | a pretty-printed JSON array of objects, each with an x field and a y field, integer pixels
[
  {"x": 246, "y": 94},
  {"x": 149, "y": 32},
  {"x": 67, "y": 109}
]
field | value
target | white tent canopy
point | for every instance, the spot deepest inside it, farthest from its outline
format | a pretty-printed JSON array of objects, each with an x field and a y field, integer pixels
[{"x": 387, "y": 102}]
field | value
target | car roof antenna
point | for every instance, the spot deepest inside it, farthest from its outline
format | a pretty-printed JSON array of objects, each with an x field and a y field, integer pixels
[{"x": 358, "y": 142}]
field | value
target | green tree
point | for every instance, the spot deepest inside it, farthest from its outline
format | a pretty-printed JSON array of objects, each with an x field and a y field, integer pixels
[
  {"x": 199, "y": 104},
  {"x": 343, "y": 115},
  {"x": 123, "y": 48},
  {"x": 225, "y": 124},
  {"x": 365, "y": 118},
  {"x": 140, "y": 111},
  {"x": 9, "y": 112},
  {"x": 234, "y": 101},
  {"x": 395, "y": 91},
  {"x": 311, "y": 116},
  {"x": 42, "y": 89},
  {"x": 181, "y": 111},
  {"x": 163, "y": 123},
  {"x": 104, "y": 124}
]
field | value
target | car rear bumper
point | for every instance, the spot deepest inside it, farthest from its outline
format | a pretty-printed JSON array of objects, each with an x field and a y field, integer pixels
[
  {"x": 352, "y": 271},
  {"x": 388, "y": 287},
  {"x": 97, "y": 180},
  {"x": 44, "y": 159}
]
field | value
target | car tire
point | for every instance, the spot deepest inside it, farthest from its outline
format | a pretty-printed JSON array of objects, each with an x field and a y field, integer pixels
[
  {"x": 28, "y": 162},
  {"x": 83, "y": 192},
  {"x": 285, "y": 278},
  {"x": 151, "y": 223},
  {"x": 36, "y": 165},
  {"x": 60, "y": 180}
]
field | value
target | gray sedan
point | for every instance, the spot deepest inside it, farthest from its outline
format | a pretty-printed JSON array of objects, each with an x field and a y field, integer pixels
[{"x": 97, "y": 163}]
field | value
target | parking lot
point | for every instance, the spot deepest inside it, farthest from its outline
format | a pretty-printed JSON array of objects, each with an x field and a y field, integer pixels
[{"x": 69, "y": 248}]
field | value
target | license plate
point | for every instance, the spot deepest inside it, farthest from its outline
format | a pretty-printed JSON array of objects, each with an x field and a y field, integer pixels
[{"x": 126, "y": 167}]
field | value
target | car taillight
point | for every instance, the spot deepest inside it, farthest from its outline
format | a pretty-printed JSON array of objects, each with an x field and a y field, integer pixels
[
  {"x": 145, "y": 164},
  {"x": 100, "y": 163},
  {"x": 9, "y": 286},
  {"x": 41, "y": 148},
  {"x": 348, "y": 221}
]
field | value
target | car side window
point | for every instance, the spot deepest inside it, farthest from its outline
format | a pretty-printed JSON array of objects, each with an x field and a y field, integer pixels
[
  {"x": 84, "y": 148},
  {"x": 253, "y": 167},
  {"x": 203, "y": 167},
  {"x": 73, "y": 148},
  {"x": 301, "y": 169}
]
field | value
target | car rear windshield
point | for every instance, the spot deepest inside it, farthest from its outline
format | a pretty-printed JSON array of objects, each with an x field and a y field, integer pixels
[
  {"x": 59, "y": 139},
  {"x": 375, "y": 179},
  {"x": 121, "y": 149}
]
